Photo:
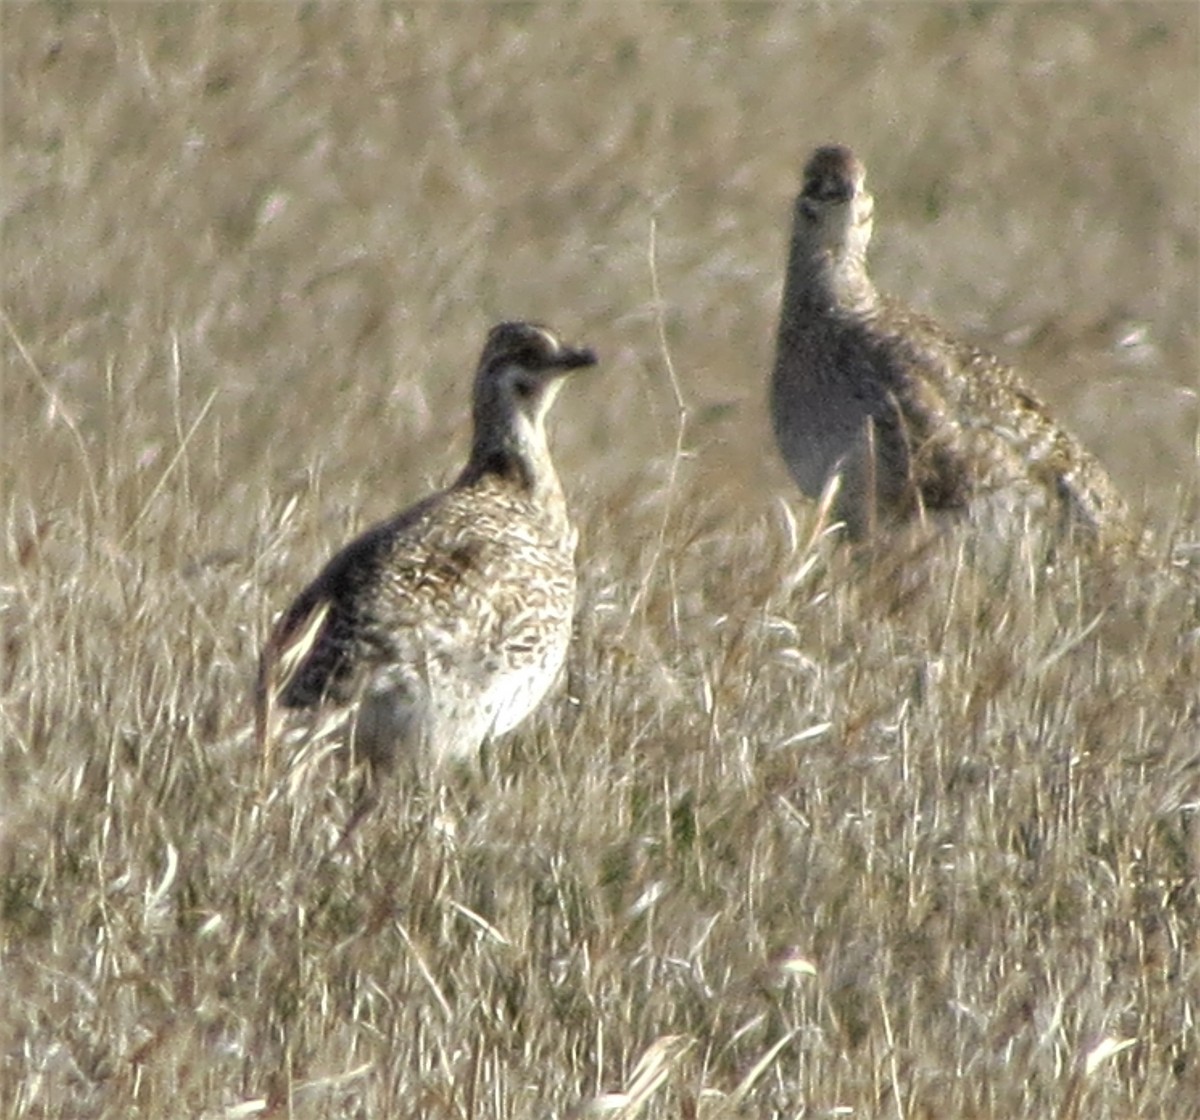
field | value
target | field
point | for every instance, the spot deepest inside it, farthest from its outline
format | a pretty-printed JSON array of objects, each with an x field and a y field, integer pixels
[{"x": 802, "y": 835}]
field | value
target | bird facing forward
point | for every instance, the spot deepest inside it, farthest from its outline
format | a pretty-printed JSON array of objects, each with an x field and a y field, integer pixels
[{"x": 912, "y": 421}]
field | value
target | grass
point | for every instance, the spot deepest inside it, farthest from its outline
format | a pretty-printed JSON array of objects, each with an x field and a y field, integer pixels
[{"x": 802, "y": 836}]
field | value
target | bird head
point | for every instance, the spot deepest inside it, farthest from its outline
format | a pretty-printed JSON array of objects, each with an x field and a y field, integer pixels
[
  {"x": 834, "y": 209},
  {"x": 522, "y": 366}
]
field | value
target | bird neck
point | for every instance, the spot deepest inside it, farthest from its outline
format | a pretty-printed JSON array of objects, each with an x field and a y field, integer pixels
[
  {"x": 823, "y": 277},
  {"x": 515, "y": 453}
]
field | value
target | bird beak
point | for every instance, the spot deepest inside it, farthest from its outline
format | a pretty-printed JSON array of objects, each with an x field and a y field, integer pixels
[{"x": 571, "y": 358}]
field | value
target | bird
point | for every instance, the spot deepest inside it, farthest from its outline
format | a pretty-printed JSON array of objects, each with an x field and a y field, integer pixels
[
  {"x": 449, "y": 622},
  {"x": 912, "y": 423}
]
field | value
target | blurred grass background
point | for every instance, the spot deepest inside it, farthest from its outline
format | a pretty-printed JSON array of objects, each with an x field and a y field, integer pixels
[
  {"x": 250, "y": 254},
  {"x": 333, "y": 203}
]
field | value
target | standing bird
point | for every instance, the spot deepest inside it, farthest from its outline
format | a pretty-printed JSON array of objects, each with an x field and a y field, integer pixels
[
  {"x": 448, "y": 623},
  {"x": 912, "y": 420}
]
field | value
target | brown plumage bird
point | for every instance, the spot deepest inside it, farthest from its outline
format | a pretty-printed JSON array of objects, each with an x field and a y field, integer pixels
[
  {"x": 914, "y": 421},
  {"x": 448, "y": 623}
]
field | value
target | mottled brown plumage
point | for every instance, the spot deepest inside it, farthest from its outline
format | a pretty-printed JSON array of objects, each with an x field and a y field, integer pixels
[
  {"x": 913, "y": 420},
  {"x": 448, "y": 623}
]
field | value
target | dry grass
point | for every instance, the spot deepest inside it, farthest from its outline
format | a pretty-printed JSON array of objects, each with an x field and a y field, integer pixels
[{"x": 804, "y": 836}]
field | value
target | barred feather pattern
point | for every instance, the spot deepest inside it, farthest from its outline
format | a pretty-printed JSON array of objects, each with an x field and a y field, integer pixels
[
  {"x": 915, "y": 421},
  {"x": 450, "y": 622}
]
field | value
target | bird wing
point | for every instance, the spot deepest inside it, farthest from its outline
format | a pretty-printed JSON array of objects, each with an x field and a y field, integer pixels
[
  {"x": 432, "y": 587},
  {"x": 319, "y": 646},
  {"x": 998, "y": 427}
]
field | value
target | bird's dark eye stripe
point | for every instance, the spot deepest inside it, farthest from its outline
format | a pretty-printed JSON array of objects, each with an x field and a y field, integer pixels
[{"x": 533, "y": 355}]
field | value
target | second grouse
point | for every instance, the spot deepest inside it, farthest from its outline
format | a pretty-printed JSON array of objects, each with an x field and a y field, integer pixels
[{"x": 912, "y": 420}]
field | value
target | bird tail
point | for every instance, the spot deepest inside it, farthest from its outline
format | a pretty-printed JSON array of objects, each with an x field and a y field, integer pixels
[{"x": 284, "y": 653}]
